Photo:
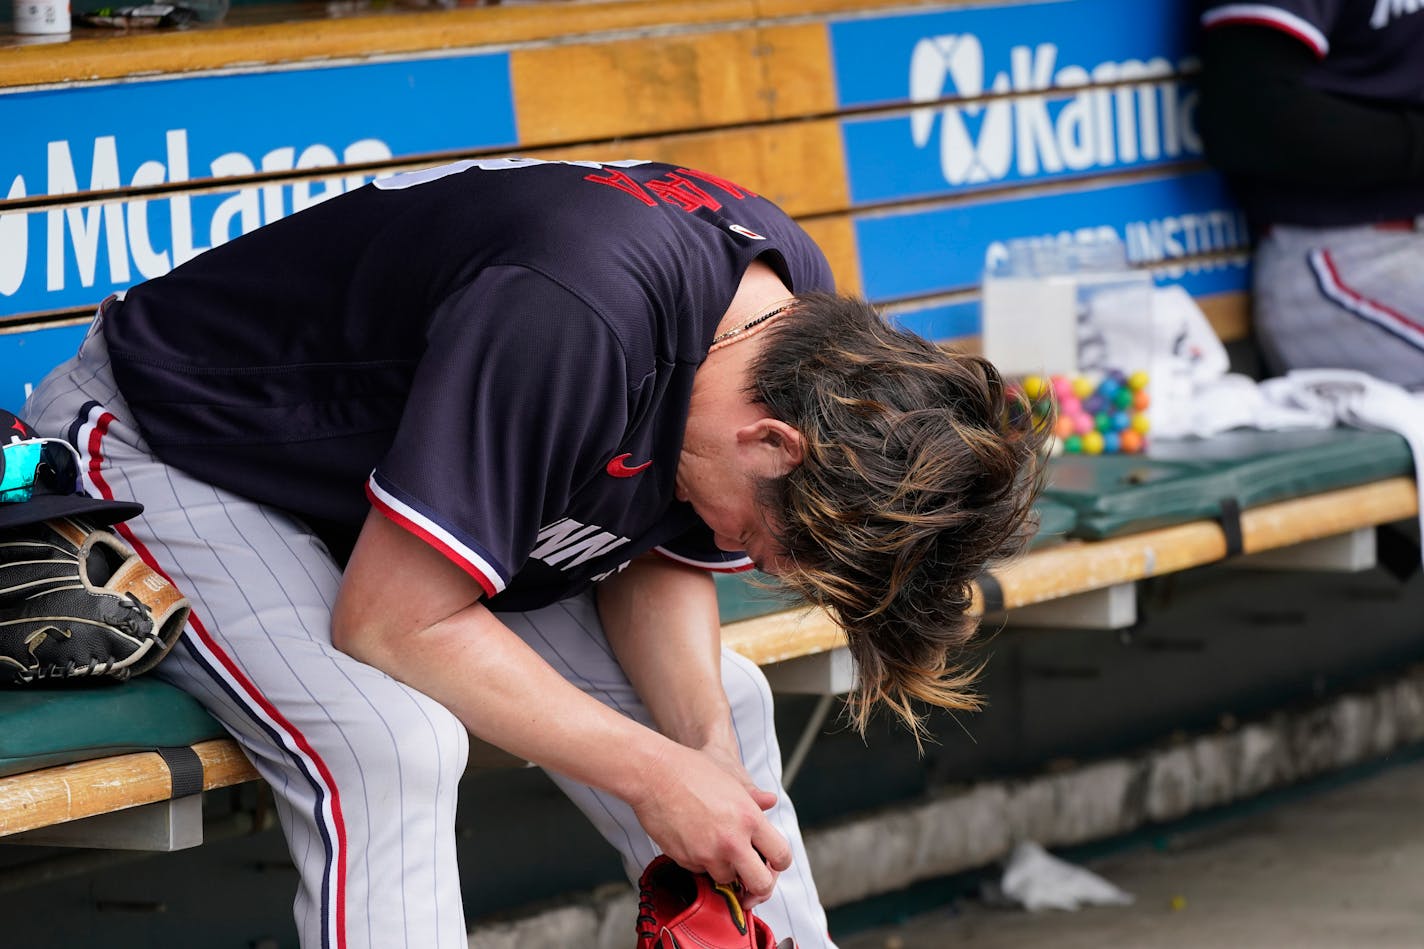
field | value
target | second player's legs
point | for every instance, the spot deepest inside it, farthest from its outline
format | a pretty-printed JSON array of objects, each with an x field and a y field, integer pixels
[
  {"x": 1342, "y": 298},
  {"x": 570, "y": 637}
]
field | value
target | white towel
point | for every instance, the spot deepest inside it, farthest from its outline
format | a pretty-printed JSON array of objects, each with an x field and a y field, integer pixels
[
  {"x": 1232, "y": 401},
  {"x": 1358, "y": 400}
]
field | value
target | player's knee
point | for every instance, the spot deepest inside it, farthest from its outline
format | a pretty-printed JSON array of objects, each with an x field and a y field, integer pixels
[
  {"x": 422, "y": 751},
  {"x": 439, "y": 747}
]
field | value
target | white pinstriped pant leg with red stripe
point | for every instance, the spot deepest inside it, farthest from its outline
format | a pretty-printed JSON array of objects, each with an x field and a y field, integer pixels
[
  {"x": 1342, "y": 298},
  {"x": 364, "y": 769}
]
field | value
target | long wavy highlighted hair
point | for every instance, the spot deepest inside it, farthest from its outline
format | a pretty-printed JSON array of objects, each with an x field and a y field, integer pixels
[{"x": 920, "y": 469}]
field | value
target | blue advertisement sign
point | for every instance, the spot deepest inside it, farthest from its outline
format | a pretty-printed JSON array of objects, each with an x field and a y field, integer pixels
[
  {"x": 1076, "y": 86},
  {"x": 1165, "y": 223},
  {"x": 172, "y": 130},
  {"x": 28, "y": 356},
  {"x": 940, "y": 322}
]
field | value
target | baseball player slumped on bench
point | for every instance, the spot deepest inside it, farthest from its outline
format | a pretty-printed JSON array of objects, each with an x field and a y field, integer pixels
[{"x": 455, "y": 452}]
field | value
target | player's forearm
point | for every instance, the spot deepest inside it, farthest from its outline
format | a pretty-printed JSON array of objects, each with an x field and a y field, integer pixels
[
  {"x": 661, "y": 621},
  {"x": 407, "y": 610},
  {"x": 506, "y": 694}
]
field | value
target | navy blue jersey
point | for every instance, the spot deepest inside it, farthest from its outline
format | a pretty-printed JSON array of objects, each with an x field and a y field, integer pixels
[
  {"x": 1367, "y": 49},
  {"x": 1367, "y": 53},
  {"x": 497, "y": 354}
]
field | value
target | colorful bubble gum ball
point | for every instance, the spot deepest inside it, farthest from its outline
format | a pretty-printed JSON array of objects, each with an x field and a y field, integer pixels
[
  {"x": 1103, "y": 422},
  {"x": 1034, "y": 387},
  {"x": 1137, "y": 381},
  {"x": 1131, "y": 442},
  {"x": 1112, "y": 443},
  {"x": 1082, "y": 423},
  {"x": 1063, "y": 427},
  {"x": 1082, "y": 387},
  {"x": 1141, "y": 400},
  {"x": 1073, "y": 444},
  {"x": 1063, "y": 387},
  {"x": 1093, "y": 403},
  {"x": 1093, "y": 443},
  {"x": 1109, "y": 388},
  {"x": 1069, "y": 405},
  {"x": 1123, "y": 397},
  {"x": 1121, "y": 421},
  {"x": 1140, "y": 425}
]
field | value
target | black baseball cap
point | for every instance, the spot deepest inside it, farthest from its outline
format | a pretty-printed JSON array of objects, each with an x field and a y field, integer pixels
[{"x": 39, "y": 480}]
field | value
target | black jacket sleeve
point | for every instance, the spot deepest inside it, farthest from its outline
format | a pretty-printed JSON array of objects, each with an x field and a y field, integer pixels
[{"x": 1259, "y": 118}]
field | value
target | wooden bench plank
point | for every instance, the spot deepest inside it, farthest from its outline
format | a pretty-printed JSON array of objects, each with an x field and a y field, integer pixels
[
  {"x": 1077, "y": 566},
  {"x": 781, "y": 636},
  {"x": 86, "y": 788},
  {"x": 1323, "y": 515},
  {"x": 1080, "y": 566}
]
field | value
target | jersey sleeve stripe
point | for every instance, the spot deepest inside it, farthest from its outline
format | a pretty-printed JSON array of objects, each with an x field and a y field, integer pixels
[
  {"x": 461, "y": 554},
  {"x": 736, "y": 565},
  {"x": 1263, "y": 14}
]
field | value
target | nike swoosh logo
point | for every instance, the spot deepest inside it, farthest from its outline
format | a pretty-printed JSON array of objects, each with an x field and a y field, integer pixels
[{"x": 619, "y": 467}]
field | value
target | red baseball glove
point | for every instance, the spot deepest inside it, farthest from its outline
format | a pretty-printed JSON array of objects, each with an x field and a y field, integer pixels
[{"x": 679, "y": 909}]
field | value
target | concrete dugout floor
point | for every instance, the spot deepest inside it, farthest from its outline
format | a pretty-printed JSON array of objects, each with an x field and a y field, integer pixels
[{"x": 1339, "y": 869}]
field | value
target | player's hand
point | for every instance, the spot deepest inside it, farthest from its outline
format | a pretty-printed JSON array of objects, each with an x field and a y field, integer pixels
[
  {"x": 727, "y": 758},
  {"x": 708, "y": 817}
]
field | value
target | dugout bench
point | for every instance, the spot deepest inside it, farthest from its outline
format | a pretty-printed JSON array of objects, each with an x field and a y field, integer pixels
[
  {"x": 74, "y": 764},
  {"x": 877, "y": 123}
]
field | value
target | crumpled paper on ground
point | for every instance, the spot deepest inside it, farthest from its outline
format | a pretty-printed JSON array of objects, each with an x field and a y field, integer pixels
[{"x": 1037, "y": 880}]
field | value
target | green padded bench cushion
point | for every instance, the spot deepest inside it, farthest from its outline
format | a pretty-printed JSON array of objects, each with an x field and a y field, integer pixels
[
  {"x": 1186, "y": 480},
  {"x": 739, "y": 597},
  {"x": 45, "y": 727}
]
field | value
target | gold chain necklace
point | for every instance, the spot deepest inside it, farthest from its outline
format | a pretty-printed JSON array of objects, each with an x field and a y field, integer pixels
[{"x": 733, "y": 334}]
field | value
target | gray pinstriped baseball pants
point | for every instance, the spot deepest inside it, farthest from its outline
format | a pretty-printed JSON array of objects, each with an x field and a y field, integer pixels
[
  {"x": 363, "y": 768},
  {"x": 1341, "y": 298}
]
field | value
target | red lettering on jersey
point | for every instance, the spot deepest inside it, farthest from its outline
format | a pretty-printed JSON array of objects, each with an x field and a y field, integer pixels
[
  {"x": 619, "y": 180},
  {"x": 676, "y": 189},
  {"x": 735, "y": 190}
]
